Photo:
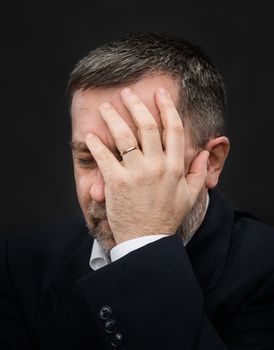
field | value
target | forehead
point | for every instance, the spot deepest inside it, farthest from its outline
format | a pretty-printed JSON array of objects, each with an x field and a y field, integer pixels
[{"x": 85, "y": 112}]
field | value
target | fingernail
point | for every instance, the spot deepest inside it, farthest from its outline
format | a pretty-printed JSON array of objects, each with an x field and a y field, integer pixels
[
  {"x": 126, "y": 91},
  {"x": 105, "y": 105},
  {"x": 89, "y": 136},
  {"x": 163, "y": 92}
]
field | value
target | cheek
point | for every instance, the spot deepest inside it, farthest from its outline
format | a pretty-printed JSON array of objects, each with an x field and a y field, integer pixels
[{"x": 83, "y": 185}]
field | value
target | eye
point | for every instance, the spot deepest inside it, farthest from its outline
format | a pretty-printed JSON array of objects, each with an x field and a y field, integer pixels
[{"x": 86, "y": 162}]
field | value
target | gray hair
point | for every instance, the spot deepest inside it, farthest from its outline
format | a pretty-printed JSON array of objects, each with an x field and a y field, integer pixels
[{"x": 202, "y": 97}]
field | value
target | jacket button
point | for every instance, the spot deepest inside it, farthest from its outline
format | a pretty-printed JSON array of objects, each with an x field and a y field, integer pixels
[
  {"x": 105, "y": 312},
  {"x": 117, "y": 340},
  {"x": 110, "y": 326}
]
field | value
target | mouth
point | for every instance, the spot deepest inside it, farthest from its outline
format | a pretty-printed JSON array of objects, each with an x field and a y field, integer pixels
[
  {"x": 104, "y": 223},
  {"x": 98, "y": 221}
]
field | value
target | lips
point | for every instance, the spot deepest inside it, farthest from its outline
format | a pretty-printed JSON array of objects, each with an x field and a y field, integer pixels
[{"x": 105, "y": 223}]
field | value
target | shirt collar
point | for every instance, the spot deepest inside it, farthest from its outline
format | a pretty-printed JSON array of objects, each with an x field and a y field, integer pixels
[{"x": 98, "y": 257}]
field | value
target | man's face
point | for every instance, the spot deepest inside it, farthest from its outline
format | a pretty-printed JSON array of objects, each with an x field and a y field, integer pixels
[{"x": 86, "y": 118}]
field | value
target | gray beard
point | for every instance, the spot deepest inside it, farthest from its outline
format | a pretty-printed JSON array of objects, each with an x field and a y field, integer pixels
[
  {"x": 194, "y": 218},
  {"x": 103, "y": 234},
  {"x": 97, "y": 229}
]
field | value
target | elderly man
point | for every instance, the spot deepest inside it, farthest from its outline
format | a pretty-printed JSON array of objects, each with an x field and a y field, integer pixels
[{"x": 160, "y": 260}]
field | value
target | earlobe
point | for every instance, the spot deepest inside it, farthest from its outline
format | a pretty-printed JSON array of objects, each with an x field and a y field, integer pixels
[{"x": 218, "y": 149}]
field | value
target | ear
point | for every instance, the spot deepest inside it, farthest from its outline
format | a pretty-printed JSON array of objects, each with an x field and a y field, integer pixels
[{"x": 218, "y": 149}]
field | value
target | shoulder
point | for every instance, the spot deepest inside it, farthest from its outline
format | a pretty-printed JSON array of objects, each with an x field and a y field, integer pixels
[
  {"x": 252, "y": 244},
  {"x": 252, "y": 230},
  {"x": 46, "y": 245}
]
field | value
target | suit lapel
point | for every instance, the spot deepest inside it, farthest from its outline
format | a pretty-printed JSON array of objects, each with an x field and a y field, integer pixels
[
  {"x": 75, "y": 267},
  {"x": 60, "y": 288},
  {"x": 208, "y": 248}
]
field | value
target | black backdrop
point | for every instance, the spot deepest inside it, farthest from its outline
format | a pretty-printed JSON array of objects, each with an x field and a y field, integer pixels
[{"x": 41, "y": 43}]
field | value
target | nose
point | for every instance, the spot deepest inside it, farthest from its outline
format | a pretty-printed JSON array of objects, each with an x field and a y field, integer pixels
[{"x": 97, "y": 190}]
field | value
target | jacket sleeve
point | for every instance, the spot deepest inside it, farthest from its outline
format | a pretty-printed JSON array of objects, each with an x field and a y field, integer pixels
[
  {"x": 150, "y": 299},
  {"x": 154, "y": 301},
  {"x": 13, "y": 332}
]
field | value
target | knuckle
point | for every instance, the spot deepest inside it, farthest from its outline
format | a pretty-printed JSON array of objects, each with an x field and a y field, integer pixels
[
  {"x": 177, "y": 171},
  {"x": 119, "y": 181},
  {"x": 123, "y": 136},
  {"x": 157, "y": 170},
  {"x": 150, "y": 127},
  {"x": 177, "y": 129},
  {"x": 139, "y": 177},
  {"x": 169, "y": 105}
]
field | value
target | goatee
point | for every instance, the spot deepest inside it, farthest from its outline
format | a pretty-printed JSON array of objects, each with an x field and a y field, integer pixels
[{"x": 98, "y": 226}]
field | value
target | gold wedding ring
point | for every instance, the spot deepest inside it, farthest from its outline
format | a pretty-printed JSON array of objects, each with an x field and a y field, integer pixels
[{"x": 128, "y": 150}]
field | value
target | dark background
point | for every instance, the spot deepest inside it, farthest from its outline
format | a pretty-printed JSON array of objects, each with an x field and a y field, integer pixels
[{"x": 40, "y": 45}]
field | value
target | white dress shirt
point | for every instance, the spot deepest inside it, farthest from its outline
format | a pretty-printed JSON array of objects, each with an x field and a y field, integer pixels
[{"x": 99, "y": 259}]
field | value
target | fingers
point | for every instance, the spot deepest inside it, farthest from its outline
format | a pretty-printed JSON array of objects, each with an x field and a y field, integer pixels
[
  {"x": 121, "y": 132},
  {"x": 147, "y": 127},
  {"x": 174, "y": 140},
  {"x": 104, "y": 158},
  {"x": 149, "y": 136}
]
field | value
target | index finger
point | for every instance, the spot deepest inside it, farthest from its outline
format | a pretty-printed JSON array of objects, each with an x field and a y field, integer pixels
[{"x": 104, "y": 158}]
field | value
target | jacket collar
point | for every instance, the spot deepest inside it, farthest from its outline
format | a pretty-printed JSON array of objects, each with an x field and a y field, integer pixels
[
  {"x": 208, "y": 248},
  {"x": 75, "y": 267}
]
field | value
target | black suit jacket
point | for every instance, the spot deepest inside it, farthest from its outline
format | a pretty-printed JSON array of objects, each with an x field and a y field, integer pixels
[{"x": 217, "y": 293}]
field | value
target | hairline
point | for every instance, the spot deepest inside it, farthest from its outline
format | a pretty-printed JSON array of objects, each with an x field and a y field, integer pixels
[{"x": 176, "y": 80}]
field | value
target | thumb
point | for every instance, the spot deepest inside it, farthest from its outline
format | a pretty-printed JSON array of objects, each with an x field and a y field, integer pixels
[{"x": 196, "y": 177}]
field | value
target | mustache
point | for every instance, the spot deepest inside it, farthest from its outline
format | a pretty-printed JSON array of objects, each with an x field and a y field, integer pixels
[{"x": 97, "y": 211}]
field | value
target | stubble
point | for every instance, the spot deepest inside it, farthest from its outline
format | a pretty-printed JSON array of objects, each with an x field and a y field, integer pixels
[{"x": 100, "y": 230}]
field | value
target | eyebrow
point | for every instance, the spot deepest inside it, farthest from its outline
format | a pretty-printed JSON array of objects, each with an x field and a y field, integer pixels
[{"x": 79, "y": 147}]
